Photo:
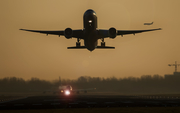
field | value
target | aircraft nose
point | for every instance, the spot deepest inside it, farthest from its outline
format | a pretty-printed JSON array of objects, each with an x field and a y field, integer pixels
[{"x": 90, "y": 11}]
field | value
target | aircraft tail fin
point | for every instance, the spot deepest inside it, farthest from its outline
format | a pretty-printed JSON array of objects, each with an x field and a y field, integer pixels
[
  {"x": 77, "y": 47},
  {"x": 84, "y": 47},
  {"x": 105, "y": 47}
]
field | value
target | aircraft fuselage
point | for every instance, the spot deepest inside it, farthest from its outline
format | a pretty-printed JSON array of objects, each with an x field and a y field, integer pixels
[{"x": 89, "y": 32}]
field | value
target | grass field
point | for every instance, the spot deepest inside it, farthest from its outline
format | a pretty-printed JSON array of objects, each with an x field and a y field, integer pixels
[{"x": 101, "y": 110}]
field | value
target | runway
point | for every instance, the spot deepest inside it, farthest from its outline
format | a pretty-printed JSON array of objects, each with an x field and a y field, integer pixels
[{"x": 90, "y": 101}]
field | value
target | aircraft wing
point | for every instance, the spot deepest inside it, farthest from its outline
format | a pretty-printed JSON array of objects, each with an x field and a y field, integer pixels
[
  {"x": 76, "y": 33},
  {"x": 51, "y": 91},
  {"x": 83, "y": 90},
  {"x": 105, "y": 33},
  {"x": 125, "y": 32}
]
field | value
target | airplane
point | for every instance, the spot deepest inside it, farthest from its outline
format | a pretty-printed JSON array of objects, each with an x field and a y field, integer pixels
[
  {"x": 90, "y": 33},
  {"x": 148, "y": 23},
  {"x": 67, "y": 89}
]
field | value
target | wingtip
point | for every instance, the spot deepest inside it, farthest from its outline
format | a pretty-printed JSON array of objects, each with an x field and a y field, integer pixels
[{"x": 23, "y": 29}]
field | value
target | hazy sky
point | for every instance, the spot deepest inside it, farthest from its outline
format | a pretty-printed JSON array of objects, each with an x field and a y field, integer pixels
[{"x": 26, "y": 54}]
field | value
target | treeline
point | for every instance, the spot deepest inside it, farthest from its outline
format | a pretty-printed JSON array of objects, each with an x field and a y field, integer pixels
[{"x": 144, "y": 84}]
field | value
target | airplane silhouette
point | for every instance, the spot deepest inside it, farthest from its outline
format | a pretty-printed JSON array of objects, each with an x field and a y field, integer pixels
[
  {"x": 90, "y": 33},
  {"x": 148, "y": 23},
  {"x": 67, "y": 89}
]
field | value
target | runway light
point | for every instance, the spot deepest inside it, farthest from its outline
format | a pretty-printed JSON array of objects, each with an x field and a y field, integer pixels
[{"x": 67, "y": 92}]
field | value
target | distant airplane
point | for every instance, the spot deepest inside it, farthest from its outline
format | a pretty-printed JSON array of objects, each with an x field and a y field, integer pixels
[
  {"x": 90, "y": 33},
  {"x": 148, "y": 23},
  {"x": 67, "y": 89}
]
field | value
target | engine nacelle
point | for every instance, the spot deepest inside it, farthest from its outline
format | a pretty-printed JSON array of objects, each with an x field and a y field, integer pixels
[
  {"x": 68, "y": 33},
  {"x": 112, "y": 32}
]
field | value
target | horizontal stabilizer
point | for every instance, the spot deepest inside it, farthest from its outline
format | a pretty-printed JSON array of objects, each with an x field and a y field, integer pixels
[
  {"x": 77, "y": 47},
  {"x": 105, "y": 47}
]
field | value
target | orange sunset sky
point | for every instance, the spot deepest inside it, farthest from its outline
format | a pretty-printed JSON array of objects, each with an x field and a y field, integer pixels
[{"x": 26, "y": 54}]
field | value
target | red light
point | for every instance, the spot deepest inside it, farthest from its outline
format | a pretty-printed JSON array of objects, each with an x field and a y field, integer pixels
[{"x": 67, "y": 92}]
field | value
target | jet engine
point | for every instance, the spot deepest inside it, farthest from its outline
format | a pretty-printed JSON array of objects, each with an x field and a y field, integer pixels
[
  {"x": 112, "y": 32},
  {"x": 68, "y": 33}
]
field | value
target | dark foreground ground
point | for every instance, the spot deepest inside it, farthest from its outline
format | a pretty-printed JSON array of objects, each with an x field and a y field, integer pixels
[
  {"x": 102, "y": 110},
  {"x": 91, "y": 103}
]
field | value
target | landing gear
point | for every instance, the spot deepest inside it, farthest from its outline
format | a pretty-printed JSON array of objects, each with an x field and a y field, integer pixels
[
  {"x": 78, "y": 44},
  {"x": 102, "y": 43}
]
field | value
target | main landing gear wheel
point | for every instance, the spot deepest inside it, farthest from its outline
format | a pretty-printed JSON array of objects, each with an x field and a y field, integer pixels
[
  {"x": 102, "y": 43},
  {"x": 78, "y": 44}
]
